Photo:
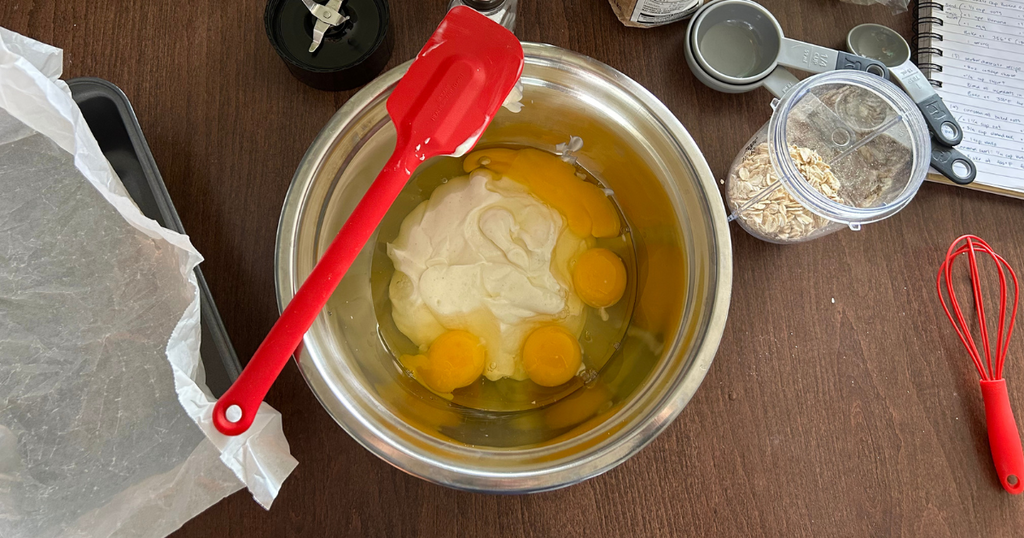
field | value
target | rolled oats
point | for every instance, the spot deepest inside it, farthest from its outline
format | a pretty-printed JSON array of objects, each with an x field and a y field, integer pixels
[{"x": 778, "y": 215}]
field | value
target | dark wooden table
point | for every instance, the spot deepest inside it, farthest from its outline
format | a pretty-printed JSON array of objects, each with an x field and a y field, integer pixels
[{"x": 840, "y": 403}]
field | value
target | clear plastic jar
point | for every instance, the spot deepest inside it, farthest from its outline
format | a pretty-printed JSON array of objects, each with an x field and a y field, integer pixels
[{"x": 842, "y": 149}]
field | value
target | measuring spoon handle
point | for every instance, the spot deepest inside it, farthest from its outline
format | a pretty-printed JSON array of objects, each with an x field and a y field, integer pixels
[
  {"x": 817, "y": 59},
  {"x": 940, "y": 120},
  {"x": 953, "y": 164}
]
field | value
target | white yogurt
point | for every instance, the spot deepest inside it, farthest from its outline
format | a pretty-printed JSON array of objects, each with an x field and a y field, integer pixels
[{"x": 486, "y": 256}]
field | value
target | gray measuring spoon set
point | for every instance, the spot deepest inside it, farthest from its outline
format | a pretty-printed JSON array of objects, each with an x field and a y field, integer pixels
[{"x": 736, "y": 46}]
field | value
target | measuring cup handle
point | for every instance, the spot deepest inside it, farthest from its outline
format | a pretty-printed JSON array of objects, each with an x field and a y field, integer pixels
[
  {"x": 807, "y": 57},
  {"x": 941, "y": 121},
  {"x": 845, "y": 60},
  {"x": 779, "y": 81},
  {"x": 946, "y": 159}
]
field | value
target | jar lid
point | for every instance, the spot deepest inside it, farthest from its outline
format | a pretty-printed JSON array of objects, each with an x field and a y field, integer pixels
[
  {"x": 850, "y": 146},
  {"x": 350, "y": 54}
]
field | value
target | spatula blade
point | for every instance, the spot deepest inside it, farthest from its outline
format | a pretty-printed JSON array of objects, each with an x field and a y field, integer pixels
[{"x": 458, "y": 82}]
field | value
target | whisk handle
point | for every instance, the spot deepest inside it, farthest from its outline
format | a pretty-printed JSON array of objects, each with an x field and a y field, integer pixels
[{"x": 1003, "y": 437}]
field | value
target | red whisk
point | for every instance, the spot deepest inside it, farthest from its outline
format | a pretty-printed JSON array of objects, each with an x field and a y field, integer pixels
[{"x": 1003, "y": 437}]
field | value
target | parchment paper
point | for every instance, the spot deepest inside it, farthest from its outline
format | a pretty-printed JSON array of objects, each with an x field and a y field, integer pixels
[{"x": 104, "y": 428}]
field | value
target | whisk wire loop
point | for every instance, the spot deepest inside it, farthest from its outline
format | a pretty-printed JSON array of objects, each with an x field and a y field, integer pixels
[{"x": 991, "y": 366}]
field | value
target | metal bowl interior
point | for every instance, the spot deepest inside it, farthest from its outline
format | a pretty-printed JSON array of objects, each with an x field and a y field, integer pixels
[{"x": 663, "y": 185}]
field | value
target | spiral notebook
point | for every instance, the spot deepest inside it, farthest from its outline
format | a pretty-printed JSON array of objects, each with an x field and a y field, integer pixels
[{"x": 973, "y": 52}]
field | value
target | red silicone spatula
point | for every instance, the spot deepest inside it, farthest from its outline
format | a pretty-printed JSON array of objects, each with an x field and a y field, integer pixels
[{"x": 440, "y": 107}]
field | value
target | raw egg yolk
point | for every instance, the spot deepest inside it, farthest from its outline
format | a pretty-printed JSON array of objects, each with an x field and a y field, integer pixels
[
  {"x": 551, "y": 356},
  {"x": 600, "y": 277},
  {"x": 585, "y": 205},
  {"x": 455, "y": 359}
]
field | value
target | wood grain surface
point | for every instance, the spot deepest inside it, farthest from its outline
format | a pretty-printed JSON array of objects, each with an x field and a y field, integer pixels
[{"x": 840, "y": 402}]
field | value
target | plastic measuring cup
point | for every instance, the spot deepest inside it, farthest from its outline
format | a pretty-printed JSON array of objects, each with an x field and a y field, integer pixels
[
  {"x": 739, "y": 43},
  {"x": 886, "y": 45},
  {"x": 842, "y": 149},
  {"x": 778, "y": 81}
]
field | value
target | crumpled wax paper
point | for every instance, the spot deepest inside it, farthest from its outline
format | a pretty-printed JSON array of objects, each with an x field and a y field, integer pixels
[{"x": 105, "y": 425}]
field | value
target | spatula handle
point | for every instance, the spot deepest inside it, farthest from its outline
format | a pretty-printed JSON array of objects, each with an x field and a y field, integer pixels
[
  {"x": 248, "y": 391},
  {"x": 1003, "y": 436}
]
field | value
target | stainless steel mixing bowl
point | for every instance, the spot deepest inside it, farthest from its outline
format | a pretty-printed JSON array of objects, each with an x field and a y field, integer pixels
[{"x": 661, "y": 181}]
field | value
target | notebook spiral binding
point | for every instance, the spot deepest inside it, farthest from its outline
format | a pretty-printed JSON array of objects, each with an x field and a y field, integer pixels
[{"x": 924, "y": 40}]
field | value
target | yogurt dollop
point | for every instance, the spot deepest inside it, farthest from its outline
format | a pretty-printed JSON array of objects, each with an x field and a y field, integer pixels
[{"x": 486, "y": 256}]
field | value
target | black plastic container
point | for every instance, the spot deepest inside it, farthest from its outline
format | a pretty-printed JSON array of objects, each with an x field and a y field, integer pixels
[
  {"x": 350, "y": 55},
  {"x": 113, "y": 123}
]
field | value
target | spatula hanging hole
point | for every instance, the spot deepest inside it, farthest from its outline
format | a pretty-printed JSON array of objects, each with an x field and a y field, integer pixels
[
  {"x": 1012, "y": 480},
  {"x": 233, "y": 414}
]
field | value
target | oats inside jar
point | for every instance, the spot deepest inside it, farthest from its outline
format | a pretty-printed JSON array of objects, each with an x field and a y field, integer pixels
[{"x": 775, "y": 214}]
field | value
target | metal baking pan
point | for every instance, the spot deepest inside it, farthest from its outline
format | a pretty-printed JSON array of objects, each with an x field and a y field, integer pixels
[{"x": 113, "y": 123}]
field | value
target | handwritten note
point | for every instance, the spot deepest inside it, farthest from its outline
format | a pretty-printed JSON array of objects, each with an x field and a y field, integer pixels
[{"x": 982, "y": 76}]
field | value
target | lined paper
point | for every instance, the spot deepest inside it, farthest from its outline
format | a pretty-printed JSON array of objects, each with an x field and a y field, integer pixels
[{"x": 982, "y": 80}]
